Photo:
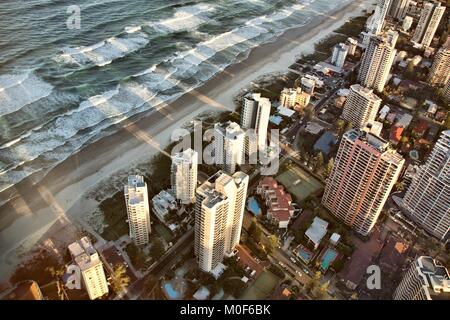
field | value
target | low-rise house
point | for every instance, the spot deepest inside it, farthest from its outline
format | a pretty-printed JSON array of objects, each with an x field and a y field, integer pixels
[
  {"x": 396, "y": 134},
  {"x": 317, "y": 231},
  {"x": 278, "y": 201},
  {"x": 163, "y": 202}
]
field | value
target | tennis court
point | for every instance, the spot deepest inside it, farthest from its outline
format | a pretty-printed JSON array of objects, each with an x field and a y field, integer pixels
[
  {"x": 262, "y": 287},
  {"x": 298, "y": 182}
]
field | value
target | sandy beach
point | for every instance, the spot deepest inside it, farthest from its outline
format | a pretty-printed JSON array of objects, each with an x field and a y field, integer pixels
[{"x": 63, "y": 193}]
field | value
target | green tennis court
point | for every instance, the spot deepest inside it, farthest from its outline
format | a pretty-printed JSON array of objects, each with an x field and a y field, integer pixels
[
  {"x": 298, "y": 182},
  {"x": 262, "y": 287}
]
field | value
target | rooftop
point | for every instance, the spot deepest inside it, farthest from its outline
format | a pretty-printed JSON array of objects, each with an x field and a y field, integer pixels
[
  {"x": 435, "y": 277},
  {"x": 84, "y": 253},
  {"x": 278, "y": 200},
  {"x": 317, "y": 230}
]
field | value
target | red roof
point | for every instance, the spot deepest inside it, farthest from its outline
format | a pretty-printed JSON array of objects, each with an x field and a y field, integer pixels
[
  {"x": 279, "y": 201},
  {"x": 396, "y": 133},
  {"x": 421, "y": 127}
]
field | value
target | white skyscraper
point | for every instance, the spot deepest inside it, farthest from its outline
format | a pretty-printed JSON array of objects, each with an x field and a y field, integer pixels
[
  {"x": 219, "y": 212},
  {"x": 255, "y": 115},
  {"x": 87, "y": 259},
  {"x": 229, "y": 147},
  {"x": 428, "y": 197},
  {"x": 399, "y": 8},
  {"x": 429, "y": 21},
  {"x": 340, "y": 52},
  {"x": 361, "y": 106},
  {"x": 376, "y": 21},
  {"x": 352, "y": 44},
  {"x": 138, "y": 210},
  {"x": 377, "y": 61},
  {"x": 184, "y": 175},
  {"x": 440, "y": 70},
  {"x": 362, "y": 177},
  {"x": 425, "y": 279}
]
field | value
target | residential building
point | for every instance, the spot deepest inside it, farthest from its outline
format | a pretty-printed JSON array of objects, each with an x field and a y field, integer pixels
[
  {"x": 138, "y": 209},
  {"x": 428, "y": 197},
  {"x": 440, "y": 70},
  {"x": 294, "y": 98},
  {"x": 219, "y": 211},
  {"x": 399, "y": 8},
  {"x": 229, "y": 145},
  {"x": 287, "y": 97},
  {"x": 361, "y": 106},
  {"x": 278, "y": 201},
  {"x": 424, "y": 280},
  {"x": 23, "y": 290},
  {"x": 377, "y": 61},
  {"x": 163, "y": 202},
  {"x": 352, "y": 44},
  {"x": 446, "y": 92},
  {"x": 376, "y": 22},
  {"x": 308, "y": 85},
  {"x": 184, "y": 175},
  {"x": 88, "y": 261},
  {"x": 255, "y": 116},
  {"x": 339, "y": 55},
  {"x": 301, "y": 100},
  {"x": 317, "y": 231},
  {"x": 407, "y": 23},
  {"x": 363, "y": 175},
  {"x": 428, "y": 23}
]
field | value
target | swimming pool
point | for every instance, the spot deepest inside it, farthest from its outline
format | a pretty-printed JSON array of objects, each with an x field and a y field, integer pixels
[
  {"x": 328, "y": 258},
  {"x": 171, "y": 292},
  {"x": 253, "y": 206},
  {"x": 304, "y": 254}
]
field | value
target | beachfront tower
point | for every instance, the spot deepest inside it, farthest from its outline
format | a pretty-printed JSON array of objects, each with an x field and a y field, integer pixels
[
  {"x": 340, "y": 52},
  {"x": 376, "y": 22},
  {"x": 229, "y": 146},
  {"x": 219, "y": 212},
  {"x": 184, "y": 175},
  {"x": 88, "y": 261},
  {"x": 138, "y": 210},
  {"x": 255, "y": 116},
  {"x": 377, "y": 61}
]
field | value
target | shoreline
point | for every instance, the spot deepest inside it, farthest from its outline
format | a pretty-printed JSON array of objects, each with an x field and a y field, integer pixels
[{"x": 63, "y": 193}]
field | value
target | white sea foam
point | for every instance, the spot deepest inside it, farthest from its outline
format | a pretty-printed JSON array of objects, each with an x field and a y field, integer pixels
[
  {"x": 17, "y": 91},
  {"x": 186, "y": 18},
  {"x": 70, "y": 131},
  {"x": 133, "y": 29},
  {"x": 104, "y": 52}
]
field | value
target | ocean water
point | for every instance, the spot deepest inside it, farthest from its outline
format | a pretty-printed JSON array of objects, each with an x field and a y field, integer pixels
[{"x": 62, "y": 89}]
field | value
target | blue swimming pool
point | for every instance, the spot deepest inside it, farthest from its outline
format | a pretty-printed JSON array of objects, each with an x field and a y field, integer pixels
[
  {"x": 253, "y": 206},
  {"x": 304, "y": 255},
  {"x": 171, "y": 292},
  {"x": 328, "y": 258}
]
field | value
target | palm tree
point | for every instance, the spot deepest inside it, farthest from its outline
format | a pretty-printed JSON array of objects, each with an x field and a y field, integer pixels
[
  {"x": 57, "y": 274},
  {"x": 119, "y": 279}
]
